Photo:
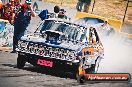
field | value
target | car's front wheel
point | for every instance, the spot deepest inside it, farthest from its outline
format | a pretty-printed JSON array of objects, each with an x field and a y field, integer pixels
[
  {"x": 81, "y": 79},
  {"x": 21, "y": 61}
]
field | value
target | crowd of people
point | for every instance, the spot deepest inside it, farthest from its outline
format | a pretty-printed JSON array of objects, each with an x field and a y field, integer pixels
[
  {"x": 10, "y": 10},
  {"x": 19, "y": 15}
]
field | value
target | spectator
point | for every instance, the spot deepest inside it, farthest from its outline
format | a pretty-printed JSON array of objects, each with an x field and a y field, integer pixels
[
  {"x": 22, "y": 21},
  {"x": 1, "y": 3},
  {"x": 79, "y": 5},
  {"x": 17, "y": 7},
  {"x": 62, "y": 14},
  {"x": 1, "y": 9},
  {"x": 86, "y": 5},
  {"x": 9, "y": 11}
]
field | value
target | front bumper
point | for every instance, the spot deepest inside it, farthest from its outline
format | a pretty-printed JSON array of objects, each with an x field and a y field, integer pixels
[{"x": 63, "y": 65}]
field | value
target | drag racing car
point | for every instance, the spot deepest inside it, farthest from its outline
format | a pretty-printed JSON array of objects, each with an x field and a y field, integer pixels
[{"x": 61, "y": 44}]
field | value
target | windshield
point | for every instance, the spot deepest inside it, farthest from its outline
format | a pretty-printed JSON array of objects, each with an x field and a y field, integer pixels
[
  {"x": 72, "y": 32},
  {"x": 46, "y": 25}
]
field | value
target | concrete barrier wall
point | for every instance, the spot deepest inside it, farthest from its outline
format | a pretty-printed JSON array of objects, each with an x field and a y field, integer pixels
[{"x": 6, "y": 34}]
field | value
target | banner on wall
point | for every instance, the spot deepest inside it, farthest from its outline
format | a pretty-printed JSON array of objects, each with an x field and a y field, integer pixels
[{"x": 6, "y": 34}]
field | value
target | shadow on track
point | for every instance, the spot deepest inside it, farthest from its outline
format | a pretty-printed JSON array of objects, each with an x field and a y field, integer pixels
[{"x": 43, "y": 70}]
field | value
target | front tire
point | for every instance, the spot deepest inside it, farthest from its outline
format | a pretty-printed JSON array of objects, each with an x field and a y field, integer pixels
[
  {"x": 75, "y": 75},
  {"x": 81, "y": 79},
  {"x": 21, "y": 61}
]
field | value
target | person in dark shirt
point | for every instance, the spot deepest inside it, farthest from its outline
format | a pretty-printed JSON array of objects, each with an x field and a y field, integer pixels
[
  {"x": 79, "y": 5},
  {"x": 9, "y": 11},
  {"x": 62, "y": 14},
  {"x": 1, "y": 9},
  {"x": 86, "y": 5},
  {"x": 22, "y": 20},
  {"x": 17, "y": 7}
]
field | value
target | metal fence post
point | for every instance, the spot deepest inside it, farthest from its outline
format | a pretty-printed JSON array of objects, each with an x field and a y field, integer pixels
[
  {"x": 61, "y": 2},
  {"x": 125, "y": 11},
  {"x": 93, "y": 6}
]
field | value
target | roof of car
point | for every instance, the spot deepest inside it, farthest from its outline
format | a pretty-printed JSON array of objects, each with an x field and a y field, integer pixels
[{"x": 66, "y": 21}]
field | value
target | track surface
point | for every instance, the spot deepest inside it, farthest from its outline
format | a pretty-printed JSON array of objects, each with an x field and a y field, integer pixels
[{"x": 31, "y": 76}]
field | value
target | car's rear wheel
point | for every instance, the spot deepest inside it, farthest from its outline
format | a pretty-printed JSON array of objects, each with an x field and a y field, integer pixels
[{"x": 21, "y": 61}]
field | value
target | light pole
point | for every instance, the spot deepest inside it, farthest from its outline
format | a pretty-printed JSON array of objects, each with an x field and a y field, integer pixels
[
  {"x": 93, "y": 6},
  {"x": 125, "y": 11}
]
